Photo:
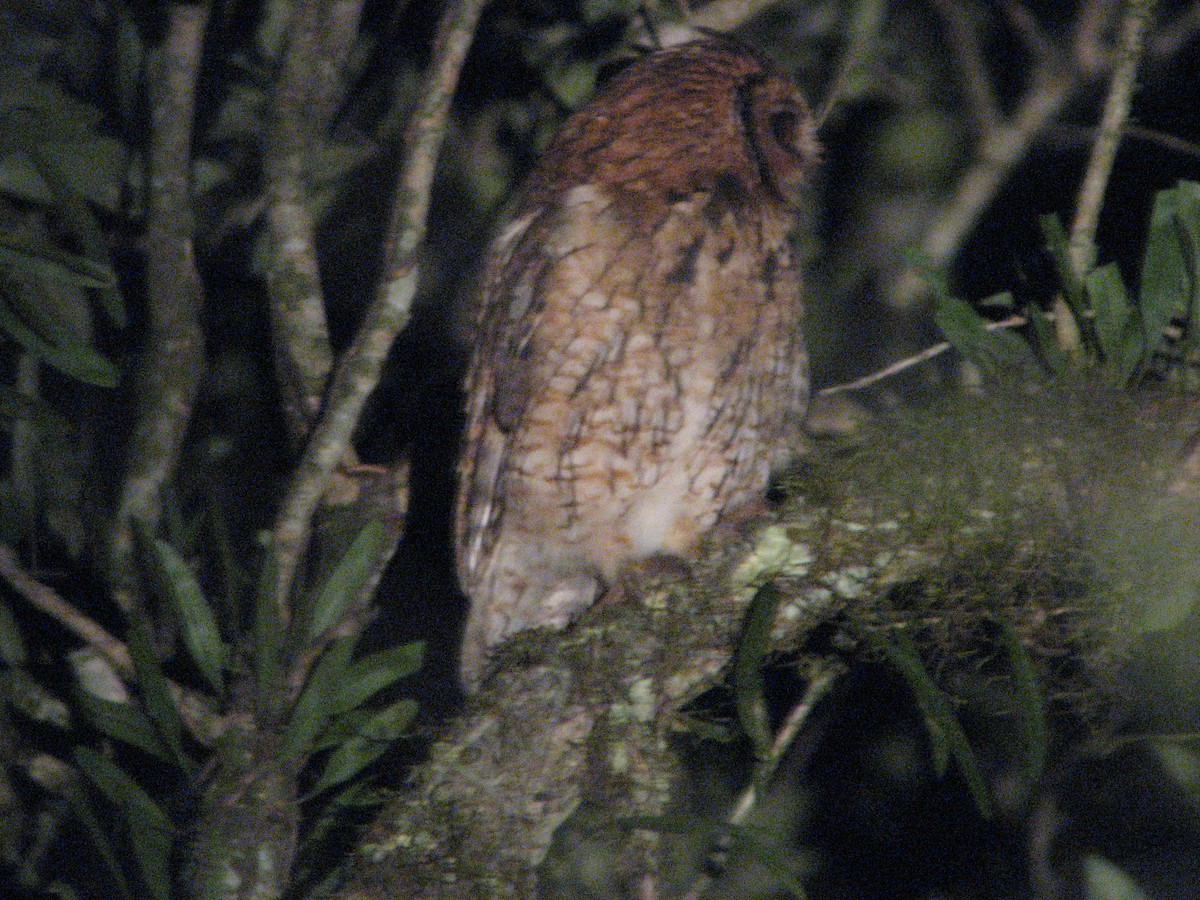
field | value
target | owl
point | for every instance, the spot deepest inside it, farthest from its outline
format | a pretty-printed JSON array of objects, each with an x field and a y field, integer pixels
[{"x": 638, "y": 363}]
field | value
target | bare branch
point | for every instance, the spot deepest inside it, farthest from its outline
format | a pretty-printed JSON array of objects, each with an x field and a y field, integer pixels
[
  {"x": 338, "y": 30},
  {"x": 998, "y": 154},
  {"x": 201, "y": 722},
  {"x": 358, "y": 372},
  {"x": 43, "y": 598},
  {"x": 825, "y": 674},
  {"x": 1081, "y": 246},
  {"x": 175, "y": 344},
  {"x": 1116, "y": 113},
  {"x": 924, "y": 356},
  {"x": 1090, "y": 47},
  {"x": 303, "y": 357}
]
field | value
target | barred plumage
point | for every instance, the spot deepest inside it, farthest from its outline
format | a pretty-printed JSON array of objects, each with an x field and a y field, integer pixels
[{"x": 639, "y": 363}]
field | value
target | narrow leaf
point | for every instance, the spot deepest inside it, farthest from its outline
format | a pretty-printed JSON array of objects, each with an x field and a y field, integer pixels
[
  {"x": 44, "y": 259},
  {"x": 104, "y": 163},
  {"x": 76, "y": 359},
  {"x": 992, "y": 351},
  {"x": 81, "y": 806},
  {"x": 33, "y": 700},
  {"x": 122, "y": 722},
  {"x": 946, "y": 734},
  {"x": 375, "y": 672},
  {"x": 749, "y": 690},
  {"x": 1031, "y": 704},
  {"x": 149, "y": 829},
  {"x": 347, "y": 579},
  {"x": 1163, "y": 289},
  {"x": 1047, "y": 342},
  {"x": 155, "y": 691},
  {"x": 312, "y": 710},
  {"x": 1188, "y": 220},
  {"x": 1118, "y": 325},
  {"x": 1072, "y": 288},
  {"x": 359, "y": 751},
  {"x": 178, "y": 586}
]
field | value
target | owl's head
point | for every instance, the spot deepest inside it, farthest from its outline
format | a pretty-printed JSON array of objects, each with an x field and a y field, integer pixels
[{"x": 686, "y": 119}]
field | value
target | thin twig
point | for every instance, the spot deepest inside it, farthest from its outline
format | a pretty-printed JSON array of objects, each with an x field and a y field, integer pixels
[
  {"x": 1081, "y": 247},
  {"x": 924, "y": 356},
  {"x": 719, "y": 15},
  {"x": 172, "y": 374},
  {"x": 1030, "y": 33},
  {"x": 826, "y": 674},
  {"x": 204, "y": 725},
  {"x": 358, "y": 371},
  {"x": 997, "y": 155},
  {"x": 1091, "y": 49},
  {"x": 44, "y": 598},
  {"x": 338, "y": 32}
]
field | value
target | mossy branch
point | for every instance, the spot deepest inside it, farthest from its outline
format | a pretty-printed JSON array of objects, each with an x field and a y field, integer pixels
[{"x": 998, "y": 512}]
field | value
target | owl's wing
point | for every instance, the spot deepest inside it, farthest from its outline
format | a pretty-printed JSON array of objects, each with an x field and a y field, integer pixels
[{"x": 510, "y": 307}]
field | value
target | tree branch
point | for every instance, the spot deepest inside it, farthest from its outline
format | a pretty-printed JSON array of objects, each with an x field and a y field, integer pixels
[
  {"x": 299, "y": 333},
  {"x": 172, "y": 374},
  {"x": 358, "y": 371}
]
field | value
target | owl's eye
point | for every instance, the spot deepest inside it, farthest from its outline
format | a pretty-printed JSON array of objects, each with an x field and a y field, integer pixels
[{"x": 785, "y": 129}]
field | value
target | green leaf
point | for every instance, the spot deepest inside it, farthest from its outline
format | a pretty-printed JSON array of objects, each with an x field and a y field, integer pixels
[
  {"x": 12, "y": 644},
  {"x": 1118, "y": 325},
  {"x": 1047, "y": 342},
  {"x": 346, "y": 581},
  {"x": 992, "y": 351},
  {"x": 268, "y": 629},
  {"x": 15, "y": 406},
  {"x": 155, "y": 691},
  {"x": 945, "y": 733},
  {"x": 178, "y": 586},
  {"x": 73, "y": 356},
  {"x": 342, "y": 727},
  {"x": 122, "y": 722},
  {"x": 44, "y": 259},
  {"x": 1188, "y": 219},
  {"x": 1164, "y": 289},
  {"x": 749, "y": 691},
  {"x": 102, "y": 161},
  {"x": 376, "y": 672},
  {"x": 81, "y": 806},
  {"x": 359, "y": 751},
  {"x": 312, "y": 710},
  {"x": 1031, "y": 705},
  {"x": 150, "y": 831},
  {"x": 1072, "y": 288}
]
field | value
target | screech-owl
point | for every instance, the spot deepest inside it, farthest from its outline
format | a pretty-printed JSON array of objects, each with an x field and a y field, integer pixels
[{"x": 639, "y": 361}]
